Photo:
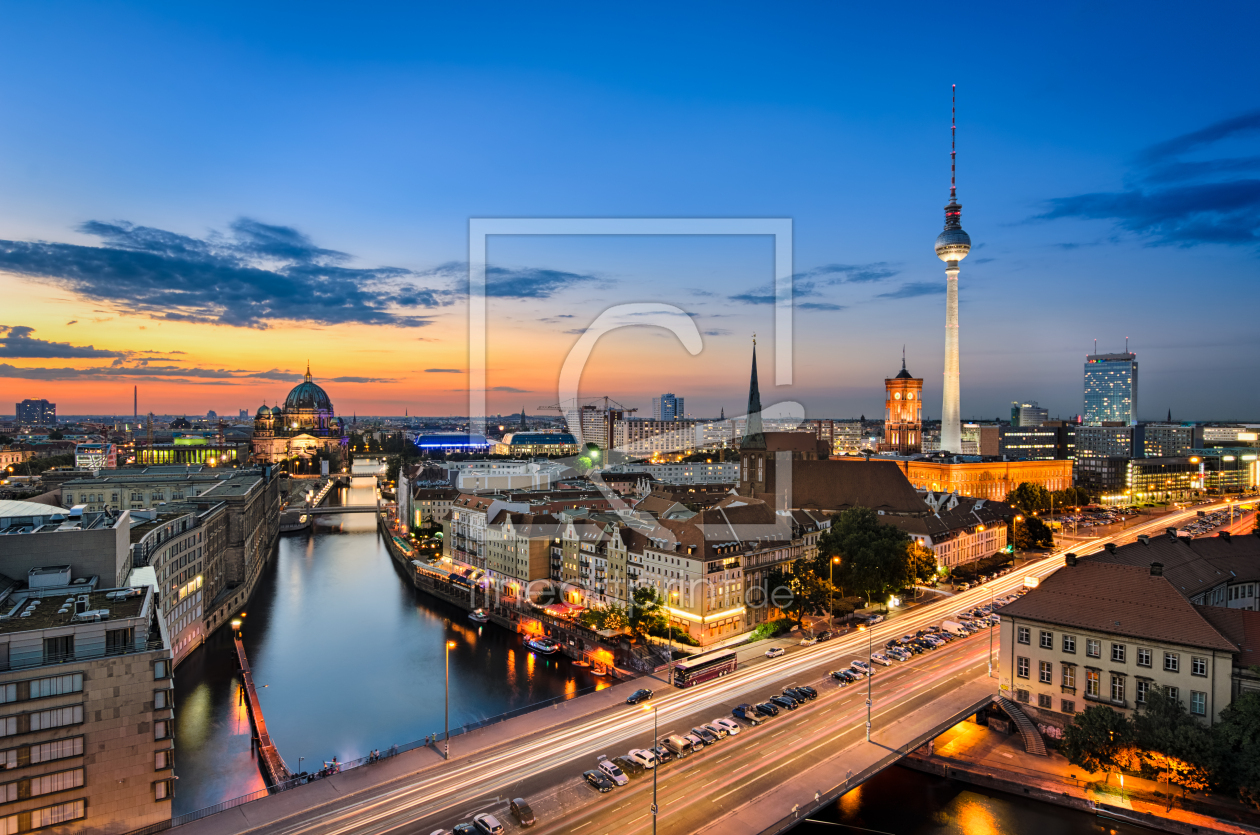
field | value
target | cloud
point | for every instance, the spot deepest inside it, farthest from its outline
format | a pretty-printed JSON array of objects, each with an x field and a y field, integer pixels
[
  {"x": 251, "y": 276},
  {"x": 915, "y": 289},
  {"x": 147, "y": 369},
  {"x": 509, "y": 389},
  {"x": 443, "y": 371},
  {"x": 1172, "y": 201},
  {"x": 72, "y": 322},
  {"x": 819, "y": 306},
  {"x": 361, "y": 380},
  {"x": 511, "y": 282},
  {"x": 850, "y": 273},
  {"x": 17, "y": 343},
  {"x": 716, "y": 332},
  {"x": 801, "y": 289}
]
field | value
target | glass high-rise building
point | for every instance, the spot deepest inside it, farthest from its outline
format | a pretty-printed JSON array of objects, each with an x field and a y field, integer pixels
[
  {"x": 1111, "y": 389},
  {"x": 37, "y": 412},
  {"x": 668, "y": 407}
]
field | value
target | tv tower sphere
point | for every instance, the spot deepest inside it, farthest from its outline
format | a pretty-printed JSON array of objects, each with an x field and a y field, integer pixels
[{"x": 953, "y": 244}]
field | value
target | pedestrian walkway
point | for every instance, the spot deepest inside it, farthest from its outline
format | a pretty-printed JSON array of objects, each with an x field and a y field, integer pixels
[{"x": 973, "y": 753}]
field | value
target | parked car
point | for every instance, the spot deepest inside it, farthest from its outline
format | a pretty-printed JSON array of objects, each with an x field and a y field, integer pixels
[
  {"x": 799, "y": 693},
  {"x": 598, "y": 781},
  {"x": 784, "y": 702},
  {"x": 716, "y": 729},
  {"x": 808, "y": 642},
  {"x": 697, "y": 743},
  {"x": 776, "y": 652},
  {"x": 881, "y": 658},
  {"x": 521, "y": 811},
  {"x": 628, "y": 766},
  {"x": 663, "y": 755},
  {"x": 464, "y": 829},
  {"x": 768, "y": 709},
  {"x": 825, "y": 635},
  {"x": 643, "y": 757},
  {"x": 860, "y": 666},
  {"x": 639, "y": 696},
  {"x": 488, "y": 825},
  {"x": 844, "y": 676},
  {"x": 611, "y": 771},
  {"x": 749, "y": 714},
  {"x": 706, "y": 735},
  {"x": 726, "y": 724},
  {"x": 792, "y": 697},
  {"x": 807, "y": 690}
]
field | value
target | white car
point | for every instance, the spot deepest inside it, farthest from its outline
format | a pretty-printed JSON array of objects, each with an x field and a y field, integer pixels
[
  {"x": 880, "y": 658},
  {"x": 776, "y": 652},
  {"x": 717, "y": 730},
  {"x": 644, "y": 758},
  {"x": 728, "y": 724},
  {"x": 859, "y": 666},
  {"x": 611, "y": 770},
  {"x": 808, "y": 642}
]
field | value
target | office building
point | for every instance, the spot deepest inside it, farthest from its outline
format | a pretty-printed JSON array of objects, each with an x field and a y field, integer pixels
[
  {"x": 981, "y": 439},
  {"x": 1028, "y": 414},
  {"x": 530, "y": 444},
  {"x": 984, "y": 479},
  {"x": 668, "y": 407},
  {"x": 903, "y": 412},
  {"x": 640, "y": 438},
  {"x": 36, "y": 413},
  {"x": 1030, "y": 443},
  {"x": 1104, "y": 442},
  {"x": 1165, "y": 440},
  {"x": 1111, "y": 389},
  {"x": 95, "y": 456},
  {"x": 87, "y": 715}
]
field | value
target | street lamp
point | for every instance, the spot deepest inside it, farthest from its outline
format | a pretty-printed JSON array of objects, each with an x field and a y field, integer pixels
[
  {"x": 446, "y": 722},
  {"x": 870, "y": 673},
  {"x": 831, "y": 591},
  {"x": 656, "y": 740}
]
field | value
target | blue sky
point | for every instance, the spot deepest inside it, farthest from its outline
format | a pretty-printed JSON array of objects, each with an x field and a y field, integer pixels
[{"x": 1107, "y": 169}]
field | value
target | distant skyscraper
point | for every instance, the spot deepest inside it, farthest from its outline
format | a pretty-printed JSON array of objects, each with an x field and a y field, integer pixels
[
  {"x": 1028, "y": 414},
  {"x": 952, "y": 245},
  {"x": 668, "y": 407},
  {"x": 36, "y": 412},
  {"x": 1111, "y": 389}
]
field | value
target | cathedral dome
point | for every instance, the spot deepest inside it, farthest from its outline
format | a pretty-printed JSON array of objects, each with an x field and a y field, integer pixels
[
  {"x": 263, "y": 411},
  {"x": 306, "y": 396}
]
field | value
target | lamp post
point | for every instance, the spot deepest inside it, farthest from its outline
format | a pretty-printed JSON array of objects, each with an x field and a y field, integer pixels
[
  {"x": 670, "y": 615},
  {"x": 446, "y": 722},
  {"x": 656, "y": 739},
  {"x": 870, "y": 672},
  {"x": 831, "y": 591}
]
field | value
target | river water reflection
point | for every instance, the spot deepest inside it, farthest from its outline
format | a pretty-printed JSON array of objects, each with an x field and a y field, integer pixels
[{"x": 347, "y": 657}]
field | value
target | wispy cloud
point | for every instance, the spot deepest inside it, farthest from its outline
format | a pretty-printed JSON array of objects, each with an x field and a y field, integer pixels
[
  {"x": 510, "y": 282},
  {"x": 252, "y": 276},
  {"x": 443, "y": 371},
  {"x": 146, "y": 369},
  {"x": 915, "y": 289},
  {"x": 16, "y": 342},
  {"x": 1182, "y": 202},
  {"x": 850, "y": 273},
  {"x": 819, "y": 306}
]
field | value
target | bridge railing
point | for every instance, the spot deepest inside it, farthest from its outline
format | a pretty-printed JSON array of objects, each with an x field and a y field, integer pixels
[{"x": 798, "y": 814}]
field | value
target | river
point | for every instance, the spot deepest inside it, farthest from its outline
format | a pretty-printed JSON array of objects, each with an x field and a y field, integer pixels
[{"x": 347, "y": 657}]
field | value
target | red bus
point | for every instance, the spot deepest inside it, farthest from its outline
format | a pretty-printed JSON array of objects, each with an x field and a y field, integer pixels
[{"x": 701, "y": 668}]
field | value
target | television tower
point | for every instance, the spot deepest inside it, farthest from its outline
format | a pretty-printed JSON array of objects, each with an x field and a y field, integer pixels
[{"x": 952, "y": 245}]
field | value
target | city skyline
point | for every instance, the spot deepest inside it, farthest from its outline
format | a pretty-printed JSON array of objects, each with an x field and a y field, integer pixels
[{"x": 169, "y": 253}]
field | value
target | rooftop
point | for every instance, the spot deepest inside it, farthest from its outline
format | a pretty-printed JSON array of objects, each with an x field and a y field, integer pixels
[{"x": 57, "y": 609}]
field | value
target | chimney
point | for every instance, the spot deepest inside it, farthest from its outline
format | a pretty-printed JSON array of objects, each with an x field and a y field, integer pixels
[
  {"x": 1223, "y": 535},
  {"x": 1172, "y": 533},
  {"x": 1157, "y": 569},
  {"x": 1144, "y": 539},
  {"x": 1111, "y": 547},
  {"x": 1071, "y": 560}
]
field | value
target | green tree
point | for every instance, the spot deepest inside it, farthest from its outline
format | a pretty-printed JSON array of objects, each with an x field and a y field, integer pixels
[
  {"x": 1236, "y": 738},
  {"x": 874, "y": 558},
  {"x": 1072, "y": 497},
  {"x": 1173, "y": 742},
  {"x": 646, "y": 611},
  {"x": 922, "y": 562},
  {"x": 1099, "y": 739},
  {"x": 810, "y": 591},
  {"x": 1031, "y": 532},
  {"x": 1029, "y": 498}
]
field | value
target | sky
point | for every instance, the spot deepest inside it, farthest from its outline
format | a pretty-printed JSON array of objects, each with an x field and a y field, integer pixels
[{"x": 199, "y": 199}]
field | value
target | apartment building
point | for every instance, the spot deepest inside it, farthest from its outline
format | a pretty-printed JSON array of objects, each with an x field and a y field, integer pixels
[
  {"x": 517, "y": 549},
  {"x": 86, "y": 721},
  {"x": 1104, "y": 633},
  {"x": 33, "y": 535}
]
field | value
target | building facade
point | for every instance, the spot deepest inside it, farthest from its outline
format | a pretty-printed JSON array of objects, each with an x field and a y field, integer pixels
[
  {"x": 530, "y": 444},
  {"x": 1026, "y": 415},
  {"x": 903, "y": 413},
  {"x": 668, "y": 407},
  {"x": 1111, "y": 389},
  {"x": 36, "y": 413},
  {"x": 300, "y": 430},
  {"x": 985, "y": 479},
  {"x": 649, "y": 438}
]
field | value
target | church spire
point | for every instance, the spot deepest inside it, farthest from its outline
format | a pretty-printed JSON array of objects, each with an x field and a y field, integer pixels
[
  {"x": 308, "y": 371},
  {"x": 754, "y": 434},
  {"x": 523, "y": 426}
]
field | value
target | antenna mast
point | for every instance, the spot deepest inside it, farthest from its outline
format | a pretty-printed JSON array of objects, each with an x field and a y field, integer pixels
[{"x": 953, "y": 128}]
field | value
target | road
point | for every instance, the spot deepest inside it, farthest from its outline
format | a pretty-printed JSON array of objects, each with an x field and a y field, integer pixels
[{"x": 546, "y": 767}]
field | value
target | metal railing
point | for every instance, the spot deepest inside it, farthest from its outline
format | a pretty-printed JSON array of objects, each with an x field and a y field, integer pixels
[{"x": 96, "y": 649}]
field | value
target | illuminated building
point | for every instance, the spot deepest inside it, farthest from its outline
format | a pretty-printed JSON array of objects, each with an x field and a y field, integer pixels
[
  {"x": 668, "y": 407},
  {"x": 952, "y": 245},
  {"x": 1028, "y": 414},
  {"x": 1111, "y": 389},
  {"x": 985, "y": 479},
  {"x": 903, "y": 412},
  {"x": 529, "y": 444},
  {"x": 300, "y": 430},
  {"x": 36, "y": 412}
]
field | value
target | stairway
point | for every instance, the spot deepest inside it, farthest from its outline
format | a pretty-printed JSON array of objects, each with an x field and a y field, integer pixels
[{"x": 1033, "y": 743}]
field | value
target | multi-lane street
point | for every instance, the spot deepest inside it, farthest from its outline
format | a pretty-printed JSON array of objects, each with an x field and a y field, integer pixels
[{"x": 545, "y": 765}]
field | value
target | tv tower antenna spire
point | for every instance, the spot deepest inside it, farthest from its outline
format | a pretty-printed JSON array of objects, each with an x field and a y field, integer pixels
[{"x": 953, "y": 132}]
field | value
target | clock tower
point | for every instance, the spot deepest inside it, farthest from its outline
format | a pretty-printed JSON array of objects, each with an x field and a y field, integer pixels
[{"x": 903, "y": 412}]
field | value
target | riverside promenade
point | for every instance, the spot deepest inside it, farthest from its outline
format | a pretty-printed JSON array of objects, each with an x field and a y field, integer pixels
[{"x": 273, "y": 766}]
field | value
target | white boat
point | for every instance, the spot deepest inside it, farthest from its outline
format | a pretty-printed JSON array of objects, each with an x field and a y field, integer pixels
[
  {"x": 544, "y": 645},
  {"x": 599, "y": 669},
  {"x": 479, "y": 616}
]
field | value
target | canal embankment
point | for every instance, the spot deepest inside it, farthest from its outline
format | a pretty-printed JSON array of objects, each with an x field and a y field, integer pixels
[{"x": 991, "y": 759}]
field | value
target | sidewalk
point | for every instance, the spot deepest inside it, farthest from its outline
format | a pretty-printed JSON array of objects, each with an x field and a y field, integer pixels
[{"x": 972, "y": 753}]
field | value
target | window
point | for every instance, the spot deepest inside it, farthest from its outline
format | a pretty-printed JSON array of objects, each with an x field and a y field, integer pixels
[
  {"x": 1093, "y": 648},
  {"x": 57, "y": 782},
  {"x": 1198, "y": 703},
  {"x": 58, "y": 650},
  {"x": 1067, "y": 706},
  {"x": 1047, "y": 640},
  {"x": 1069, "y": 676},
  {"x": 1021, "y": 696},
  {"x": 163, "y": 760},
  {"x": 1198, "y": 666},
  {"x": 57, "y": 717},
  {"x": 1117, "y": 688},
  {"x": 1021, "y": 667},
  {"x": 56, "y": 685},
  {"x": 58, "y": 749},
  {"x": 1117, "y": 653},
  {"x": 161, "y": 669},
  {"x": 1044, "y": 700},
  {"x": 119, "y": 641},
  {"x": 1069, "y": 644},
  {"x": 160, "y": 701},
  {"x": 160, "y": 729},
  {"x": 1143, "y": 657},
  {"x": 1045, "y": 672},
  {"x": 53, "y": 815},
  {"x": 1172, "y": 662},
  {"x": 1173, "y": 693},
  {"x": 1024, "y": 635},
  {"x": 1142, "y": 686},
  {"x": 1092, "y": 684},
  {"x": 162, "y": 790}
]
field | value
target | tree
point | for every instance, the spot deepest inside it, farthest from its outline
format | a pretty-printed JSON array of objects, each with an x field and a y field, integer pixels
[
  {"x": 1031, "y": 532},
  {"x": 1029, "y": 498},
  {"x": 809, "y": 591},
  {"x": 922, "y": 562},
  {"x": 1172, "y": 742},
  {"x": 646, "y": 611},
  {"x": 874, "y": 558},
  {"x": 1236, "y": 738},
  {"x": 1099, "y": 739},
  {"x": 1072, "y": 497}
]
